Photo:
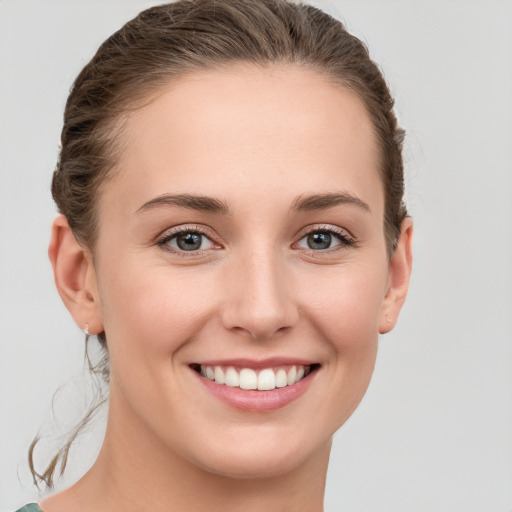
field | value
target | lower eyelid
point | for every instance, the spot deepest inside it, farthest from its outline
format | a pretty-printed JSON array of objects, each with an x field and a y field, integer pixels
[
  {"x": 204, "y": 237},
  {"x": 166, "y": 239},
  {"x": 343, "y": 238}
]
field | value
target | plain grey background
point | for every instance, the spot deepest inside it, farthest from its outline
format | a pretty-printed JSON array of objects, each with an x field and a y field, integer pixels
[{"x": 434, "y": 432}]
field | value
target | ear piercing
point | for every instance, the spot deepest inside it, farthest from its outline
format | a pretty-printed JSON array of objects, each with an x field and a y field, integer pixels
[{"x": 86, "y": 330}]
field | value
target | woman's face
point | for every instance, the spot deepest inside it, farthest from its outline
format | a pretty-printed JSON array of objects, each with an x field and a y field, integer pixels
[{"x": 242, "y": 235}]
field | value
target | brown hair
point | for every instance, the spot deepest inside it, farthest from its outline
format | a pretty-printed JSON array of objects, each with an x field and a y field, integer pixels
[{"x": 164, "y": 42}]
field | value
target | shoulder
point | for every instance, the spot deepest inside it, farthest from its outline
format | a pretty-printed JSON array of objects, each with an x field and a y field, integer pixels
[{"x": 30, "y": 507}]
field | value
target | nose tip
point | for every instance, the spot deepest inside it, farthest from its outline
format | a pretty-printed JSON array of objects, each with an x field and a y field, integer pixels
[
  {"x": 259, "y": 302},
  {"x": 261, "y": 325}
]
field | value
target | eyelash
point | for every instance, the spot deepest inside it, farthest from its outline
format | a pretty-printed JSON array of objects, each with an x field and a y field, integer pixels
[
  {"x": 175, "y": 232},
  {"x": 345, "y": 240}
]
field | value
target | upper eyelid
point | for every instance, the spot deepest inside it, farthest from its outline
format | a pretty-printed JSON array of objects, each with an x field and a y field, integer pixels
[
  {"x": 346, "y": 239},
  {"x": 188, "y": 228},
  {"x": 217, "y": 239},
  {"x": 163, "y": 241},
  {"x": 337, "y": 230}
]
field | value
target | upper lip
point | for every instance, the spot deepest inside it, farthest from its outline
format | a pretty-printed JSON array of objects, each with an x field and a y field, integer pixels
[{"x": 257, "y": 363}]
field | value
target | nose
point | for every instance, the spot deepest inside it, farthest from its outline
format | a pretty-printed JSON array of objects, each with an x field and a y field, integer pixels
[{"x": 259, "y": 300}]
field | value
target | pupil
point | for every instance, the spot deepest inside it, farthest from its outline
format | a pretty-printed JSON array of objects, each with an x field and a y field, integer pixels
[
  {"x": 319, "y": 241},
  {"x": 189, "y": 241}
]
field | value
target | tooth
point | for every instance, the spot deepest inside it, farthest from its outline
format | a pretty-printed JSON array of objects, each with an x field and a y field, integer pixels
[
  {"x": 266, "y": 380},
  {"x": 292, "y": 373},
  {"x": 248, "y": 379},
  {"x": 219, "y": 375},
  {"x": 231, "y": 378},
  {"x": 281, "y": 379}
]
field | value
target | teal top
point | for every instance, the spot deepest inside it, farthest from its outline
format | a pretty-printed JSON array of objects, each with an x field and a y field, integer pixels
[{"x": 31, "y": 507}]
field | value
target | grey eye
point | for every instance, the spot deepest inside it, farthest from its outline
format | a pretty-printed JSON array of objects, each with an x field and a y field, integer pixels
[
  {"x": 323, "y": 240},
  {"x": 319, "y": 241},
  {"x": 190, "y": 241}
]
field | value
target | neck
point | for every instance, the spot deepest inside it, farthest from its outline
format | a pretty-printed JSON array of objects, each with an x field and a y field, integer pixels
[
  {"x": 182, "y": 486},
  {"x": 135, "y": 472}
]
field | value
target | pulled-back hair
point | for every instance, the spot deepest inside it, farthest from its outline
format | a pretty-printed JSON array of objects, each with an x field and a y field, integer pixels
[{"x": 165, "y": 42}]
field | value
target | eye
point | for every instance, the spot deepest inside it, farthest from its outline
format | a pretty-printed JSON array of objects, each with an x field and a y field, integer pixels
[
  {"x": 187, "y": 241},
  {"x": 323, "y": 239},
  {"x": 319, "y": 241}
]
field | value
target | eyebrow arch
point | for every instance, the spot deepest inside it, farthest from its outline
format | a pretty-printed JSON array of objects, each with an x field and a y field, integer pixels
[
  {"x": 199, "y": 203},
  {"x": 324, "y": 201}
]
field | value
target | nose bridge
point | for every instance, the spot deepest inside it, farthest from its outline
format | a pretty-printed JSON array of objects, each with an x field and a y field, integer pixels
[{"x": 259, "y": 300}]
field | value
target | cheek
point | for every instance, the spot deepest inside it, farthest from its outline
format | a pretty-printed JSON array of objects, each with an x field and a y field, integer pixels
[
  {"x": 344, "y": 307},
  {"x": 345, "y": 303},
  {"x": 153, "y": 313}
]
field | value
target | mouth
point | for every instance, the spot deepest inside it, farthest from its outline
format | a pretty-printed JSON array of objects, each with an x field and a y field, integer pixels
[{"x": 255, "y": 378}]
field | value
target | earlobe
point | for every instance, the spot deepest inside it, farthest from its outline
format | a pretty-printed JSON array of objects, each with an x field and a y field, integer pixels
[
  {"x": 400, "y": 267},
  {"x": 75, "y": 276}
]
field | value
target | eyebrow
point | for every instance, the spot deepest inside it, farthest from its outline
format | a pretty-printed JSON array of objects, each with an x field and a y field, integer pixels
[
  {"x": 324, "y": 201},
  {"x": 212, "y": 205},
  {"x": 199, "y": 203}
]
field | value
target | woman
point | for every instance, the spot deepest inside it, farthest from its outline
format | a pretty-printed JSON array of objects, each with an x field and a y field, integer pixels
[{"x": 233, "y": 231}]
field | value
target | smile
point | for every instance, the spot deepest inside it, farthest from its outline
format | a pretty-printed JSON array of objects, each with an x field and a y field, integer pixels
[
  {"x": 265, "y": 379},
  {"x": 256, "y": 386}
]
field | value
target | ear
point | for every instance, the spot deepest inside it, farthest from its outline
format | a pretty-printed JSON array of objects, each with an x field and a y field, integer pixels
[
  {"x": 75, "y": 277},
  {"x": 398, "y": 278}
]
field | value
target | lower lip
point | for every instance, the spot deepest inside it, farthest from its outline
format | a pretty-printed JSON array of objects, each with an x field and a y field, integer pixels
[{"x": 257, "y": 401}]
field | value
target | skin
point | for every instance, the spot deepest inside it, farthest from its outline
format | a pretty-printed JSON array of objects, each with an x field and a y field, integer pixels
[{"x": 258, "y": 140}]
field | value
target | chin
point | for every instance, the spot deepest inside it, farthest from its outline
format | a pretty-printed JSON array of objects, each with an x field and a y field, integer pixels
[
  {"x": 260, "y": 456},
  {"x": 251, "y": 468}
]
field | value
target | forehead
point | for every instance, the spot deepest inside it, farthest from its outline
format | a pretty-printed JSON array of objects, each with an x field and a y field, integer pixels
[{"x": 244, "y": 129}]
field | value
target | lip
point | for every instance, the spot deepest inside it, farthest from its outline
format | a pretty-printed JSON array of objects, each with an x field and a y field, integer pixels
[
  {"x": 256, "y": 364},
  {"x": 255, "y": 400}
]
